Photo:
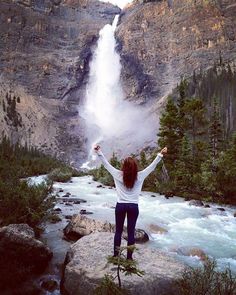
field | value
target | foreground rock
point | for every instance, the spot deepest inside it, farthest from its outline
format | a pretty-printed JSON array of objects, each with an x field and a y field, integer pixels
[
  {"x": 86, "y": 265},
  {"x": 197, "y": 203},
  {"x": 21, "y": 255},
  {"x": 81, "y": 225}
]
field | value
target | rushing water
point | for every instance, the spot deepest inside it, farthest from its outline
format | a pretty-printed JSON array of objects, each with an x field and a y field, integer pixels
[{"x": 208, "y": 229}]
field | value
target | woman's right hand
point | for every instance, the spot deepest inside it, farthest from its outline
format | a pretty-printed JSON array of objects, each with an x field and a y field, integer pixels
[
  {"x": 163, "y": 151},
  {"x": 97, "y": 147}
]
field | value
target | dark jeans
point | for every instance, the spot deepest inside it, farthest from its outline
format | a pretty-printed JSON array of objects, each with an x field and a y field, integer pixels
[{"x": 132, "y": 212}]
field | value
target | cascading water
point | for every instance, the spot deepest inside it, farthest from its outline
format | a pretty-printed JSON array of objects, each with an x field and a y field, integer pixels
[{"x": 109, "y": 118}]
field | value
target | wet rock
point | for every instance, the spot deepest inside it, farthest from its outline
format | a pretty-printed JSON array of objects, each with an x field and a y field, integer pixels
[
  {"x": 74, "y": 199},
  {"x": 156, "y": 229},
  {"x": 57, "y": 210},
  {"x": 67, "y": 195},
  {"x": 197, "y": 203},
  {"x": 110, "y": 187},
  {"x": 235, "y": 214},
  {"x": 153, "y": 196},
  {"x": 221, "y": 209},
  {"x": 191, "y": 251},
  {"x": 49, "y": 285},
  {"x": 99, "y": 186},
  {"x": 68, "y": 216},
  {"x": 60, "y": 190},
  {"x": 169, "y": 195},
  {"x": 86, "y": 261},
  {"x": 84, "y": 211},
  {"x": 21, "y": 255},
  {"x": 207, "y": 206},
  {"x": 68, "y": 204},
  {"x": 80, "y": 226}
]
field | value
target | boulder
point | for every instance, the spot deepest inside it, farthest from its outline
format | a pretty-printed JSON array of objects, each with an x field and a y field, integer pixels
[
  {"x": 197, "y": 203},
  {"x": 190, "y": 251},
  {"x": 81, "y": 225},
  {"x": 85, "y": 212},
  {"x": 221, "y": 209},
  {"x": 86, "y": 264},
  {"x": 21, "y": 255},
  {"x": 57, "y": 210},
  {"x": 156, "y": 229}
]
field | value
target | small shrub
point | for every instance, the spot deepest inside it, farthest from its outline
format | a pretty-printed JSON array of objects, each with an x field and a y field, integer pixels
[
  {"x": 60, "y": 174},
  {"x": 207, "y": 281},
  {"x": 122, "y": 265}
]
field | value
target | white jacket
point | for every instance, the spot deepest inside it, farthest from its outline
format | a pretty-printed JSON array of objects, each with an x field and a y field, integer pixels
[{"x": 127, "y": 195}]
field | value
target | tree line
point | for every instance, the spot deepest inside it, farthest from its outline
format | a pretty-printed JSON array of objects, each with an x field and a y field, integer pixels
[{"x": 201, "y": 158}]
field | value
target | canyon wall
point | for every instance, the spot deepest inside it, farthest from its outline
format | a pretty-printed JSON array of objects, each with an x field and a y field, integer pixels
[{"x": 46, "y": 46}]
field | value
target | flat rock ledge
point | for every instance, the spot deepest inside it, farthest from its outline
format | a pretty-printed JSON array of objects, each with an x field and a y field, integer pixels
[
  {"x": 81, "y": 225},
  {"x": 86, "y": 265}
]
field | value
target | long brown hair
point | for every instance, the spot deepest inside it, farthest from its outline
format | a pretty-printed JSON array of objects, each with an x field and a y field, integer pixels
[{"x": 130, "y": 171}]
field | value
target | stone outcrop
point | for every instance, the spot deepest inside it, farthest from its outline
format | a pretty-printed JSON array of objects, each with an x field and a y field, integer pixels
[
  {"x": 86, "y": 265},
  {"x": 160, "y": 43},
  {"x": 81, "y": 225},
  {"x": 21, "y": 255}
]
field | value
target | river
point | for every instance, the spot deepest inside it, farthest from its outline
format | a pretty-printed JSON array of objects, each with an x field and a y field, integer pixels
[{"x": 209, "y": 229}]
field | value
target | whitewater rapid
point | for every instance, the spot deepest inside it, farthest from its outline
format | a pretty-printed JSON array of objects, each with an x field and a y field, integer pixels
[{"x": 208, "y": 229}]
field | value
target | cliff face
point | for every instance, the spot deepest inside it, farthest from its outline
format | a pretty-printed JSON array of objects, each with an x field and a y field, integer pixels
[
  {"x": 45, "y": 49},
  {"x": 163, "y": 40},
  {"x": 46, "y": 46}
]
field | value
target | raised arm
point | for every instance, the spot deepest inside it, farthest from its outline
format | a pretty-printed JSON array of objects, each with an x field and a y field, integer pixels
[
  {"x": 144, "y": 173},
  {"x": 114, "y": 172}
]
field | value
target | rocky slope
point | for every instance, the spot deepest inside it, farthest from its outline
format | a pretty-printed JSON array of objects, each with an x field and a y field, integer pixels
[
  {"x": 44, "y": 53},
  {"x": 46, "y": 47},
  {"x": 161, "y": 41}
]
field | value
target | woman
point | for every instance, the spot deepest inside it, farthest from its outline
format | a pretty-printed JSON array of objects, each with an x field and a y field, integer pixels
[{"x": 128, "y": 182}]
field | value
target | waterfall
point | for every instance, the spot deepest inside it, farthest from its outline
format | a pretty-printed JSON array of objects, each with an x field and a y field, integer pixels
[{"x": 110, "y": 119}]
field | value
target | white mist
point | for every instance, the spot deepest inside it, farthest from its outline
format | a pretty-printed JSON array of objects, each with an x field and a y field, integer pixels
[{"x": 117, "y": 124}]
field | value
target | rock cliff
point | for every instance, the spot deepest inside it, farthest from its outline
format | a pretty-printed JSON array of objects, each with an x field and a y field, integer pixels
[
  {"x": 162, "y": 41},
  {"x": 44, "y": 54},
  {"x": 46, "y": 47}
]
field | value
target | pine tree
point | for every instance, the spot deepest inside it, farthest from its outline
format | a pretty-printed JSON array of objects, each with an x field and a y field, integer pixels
[
  {"x": 226, "y": 172},
  {"x": 215, "y": 132},
  {"x": 184, "y": 166},
  {"x": 195, "y": 121},
  {"x": 182, "y": 89},
  {"x": 169, "y": 131},
  {"x": 143, "y": 160}
]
